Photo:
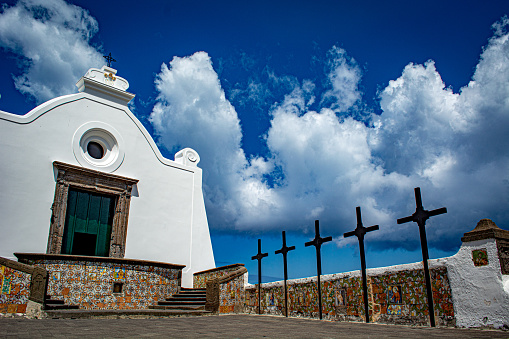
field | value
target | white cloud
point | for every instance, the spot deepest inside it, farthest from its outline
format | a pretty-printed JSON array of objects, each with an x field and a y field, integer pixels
[
  {"x": 192, "y": 111},
  {"x": 51, "y": 38},
  {"x": 344, "y": 77},
  {"x": 453, "y": 145}
]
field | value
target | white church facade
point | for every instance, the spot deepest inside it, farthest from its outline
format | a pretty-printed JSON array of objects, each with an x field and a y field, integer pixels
[{"x": 81, "y": 176}]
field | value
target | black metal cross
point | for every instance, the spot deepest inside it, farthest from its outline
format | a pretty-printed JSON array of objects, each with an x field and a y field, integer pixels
[
  {"x": 109, "y": 59},
  {"x": 259, "y": 257},
  {"x": 284, "y": 251},
  {"x": 420, "y": 216},
  {"x": 359, "y": 232},
  {"x": 317, "y": 242}
]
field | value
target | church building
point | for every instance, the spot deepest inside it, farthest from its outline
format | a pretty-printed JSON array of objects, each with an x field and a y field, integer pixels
[{"x": 81, "y": 176}]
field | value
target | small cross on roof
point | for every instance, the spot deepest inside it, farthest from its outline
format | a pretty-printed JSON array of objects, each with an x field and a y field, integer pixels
[{"x": 109, "y": 59}]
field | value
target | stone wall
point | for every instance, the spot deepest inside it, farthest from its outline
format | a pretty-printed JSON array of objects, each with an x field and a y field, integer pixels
[
  {"x": 20, "y": 285},
  {"x": 470, "y": 288},
  {"x": 200, "y": 278},
  {"x": 396, "y": 295},
  {"x": 225, "y": 289},
  {"x": 106, "y": 283}
]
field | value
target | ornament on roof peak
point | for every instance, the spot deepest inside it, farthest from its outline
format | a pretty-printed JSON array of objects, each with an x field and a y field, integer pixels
[
  {"x": 107, "y": 76},
  {"x": 105, "y": 82}
]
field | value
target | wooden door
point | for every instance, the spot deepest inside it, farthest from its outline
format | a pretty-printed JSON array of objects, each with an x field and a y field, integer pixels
[{"x": 88, "y": 223}]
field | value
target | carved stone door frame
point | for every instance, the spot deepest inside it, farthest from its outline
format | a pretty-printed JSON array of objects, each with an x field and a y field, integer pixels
[{"x": 94, "y": 181}]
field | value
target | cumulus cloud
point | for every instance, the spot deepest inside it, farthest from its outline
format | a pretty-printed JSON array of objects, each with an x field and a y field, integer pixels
[
  {"x": 344, "y": 77},
  {"x": 454, "y": 144},
  {"x": 52, "y": 41},
  {"x": 324, "y": 162},
  {"x": 192, "y": 111}
]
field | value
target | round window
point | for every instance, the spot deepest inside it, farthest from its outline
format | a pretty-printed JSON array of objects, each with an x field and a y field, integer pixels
[
  {"x": 98, "y": 145},
  {"x": 95, "y": 150}
]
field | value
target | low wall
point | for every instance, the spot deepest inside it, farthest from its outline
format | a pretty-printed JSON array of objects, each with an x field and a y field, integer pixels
[
  {"x": 106, "y": 283},
  {"x": 20, "y": 284},
  {"x": 396, "y": 295},
  {"x": 200, "y": 278},
  {"x": 226, "y": 294},
  {"x": 470, "y": 288}
]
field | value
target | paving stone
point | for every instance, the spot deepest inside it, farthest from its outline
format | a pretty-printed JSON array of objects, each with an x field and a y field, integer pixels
[{"x": 225, "y": 326}]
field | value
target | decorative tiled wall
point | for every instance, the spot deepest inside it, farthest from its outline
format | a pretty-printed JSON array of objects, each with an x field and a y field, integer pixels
[
  {"x": 394, "y": 297},
  {"x": 15, "y": 290},
  {"x": 200, "y": 278},
  {"x": 232, "y": 296},
  {"x": 90, "y": 284}
]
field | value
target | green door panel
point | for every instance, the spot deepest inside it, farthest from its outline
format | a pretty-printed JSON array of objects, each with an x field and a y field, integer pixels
[
  {"x": 105, "y": 221},
  {"x": 69, "y": 222},
  {"x": 89, "y": 219},
  {"x": 81, "y": 215},
  {"x": 94, "y": 210}
]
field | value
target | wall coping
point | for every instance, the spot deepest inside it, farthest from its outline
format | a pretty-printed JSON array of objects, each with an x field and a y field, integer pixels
[
  {"x": 218, "y": 269},
  {"x": 23, "y": 257},
  {"x": 232, "y": 275},
  {"x": 16, "y": 265}
]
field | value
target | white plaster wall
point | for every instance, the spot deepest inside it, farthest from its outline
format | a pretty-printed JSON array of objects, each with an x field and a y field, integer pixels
[
  {"x": 478, "y": 292},
  {"x": 167, "y": 218}
]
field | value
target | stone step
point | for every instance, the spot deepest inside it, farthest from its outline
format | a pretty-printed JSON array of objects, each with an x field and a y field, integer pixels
[
  {"x": 181, "y": 303},
  {"x": 56, "y": 304},
  {"x": 87, "y": 314},
  {"x": 179, "y": 298},
  {"x": 48, "y": 307},
  {"x": 187, "y": 298},
  {"x": 192, "y": 289},
  {"x": 192, "y": 293},
  {"x": 53, "y": 302},
  {"x": 177, "y": 307}
]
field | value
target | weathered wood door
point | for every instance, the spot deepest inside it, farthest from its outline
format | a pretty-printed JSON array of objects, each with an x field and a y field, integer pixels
[{"x": 88, "y": 222}]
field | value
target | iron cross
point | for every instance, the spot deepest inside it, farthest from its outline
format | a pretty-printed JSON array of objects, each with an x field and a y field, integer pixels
[
  {"x": 284, "y": 251},
  {"x": 259, "y": 257},
  {"x": 109, "y": 59},
  {"x": 359, "y": 232},
  {"x": 420, "y": 216},
  {"x": 317, "y": 242}
]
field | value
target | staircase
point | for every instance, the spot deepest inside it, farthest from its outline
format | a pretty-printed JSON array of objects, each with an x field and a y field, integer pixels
[
  {"x": 53, "y": 304},
  {"x": 186, "y": 299}
]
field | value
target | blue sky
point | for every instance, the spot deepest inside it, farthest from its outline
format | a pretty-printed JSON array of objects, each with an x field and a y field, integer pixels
[{"x": 300, "y": 110}]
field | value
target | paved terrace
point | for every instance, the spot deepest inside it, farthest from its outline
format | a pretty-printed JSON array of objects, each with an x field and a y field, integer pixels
[{"x": 226, "y": 326}]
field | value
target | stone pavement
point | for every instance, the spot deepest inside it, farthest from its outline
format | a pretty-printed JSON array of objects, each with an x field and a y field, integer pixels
[{"x": 226, "y": 326}]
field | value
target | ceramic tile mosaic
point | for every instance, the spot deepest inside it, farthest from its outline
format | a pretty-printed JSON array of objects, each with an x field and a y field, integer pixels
[
  {"x": 232, "y": 296},
  {"x": 90, "y": 284},
  {"x": 390, "y": 295},
  {"x": 14, "y": 290},
  {"x": 480, "y": 257},
  {"x": 200, "y": 279}
]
